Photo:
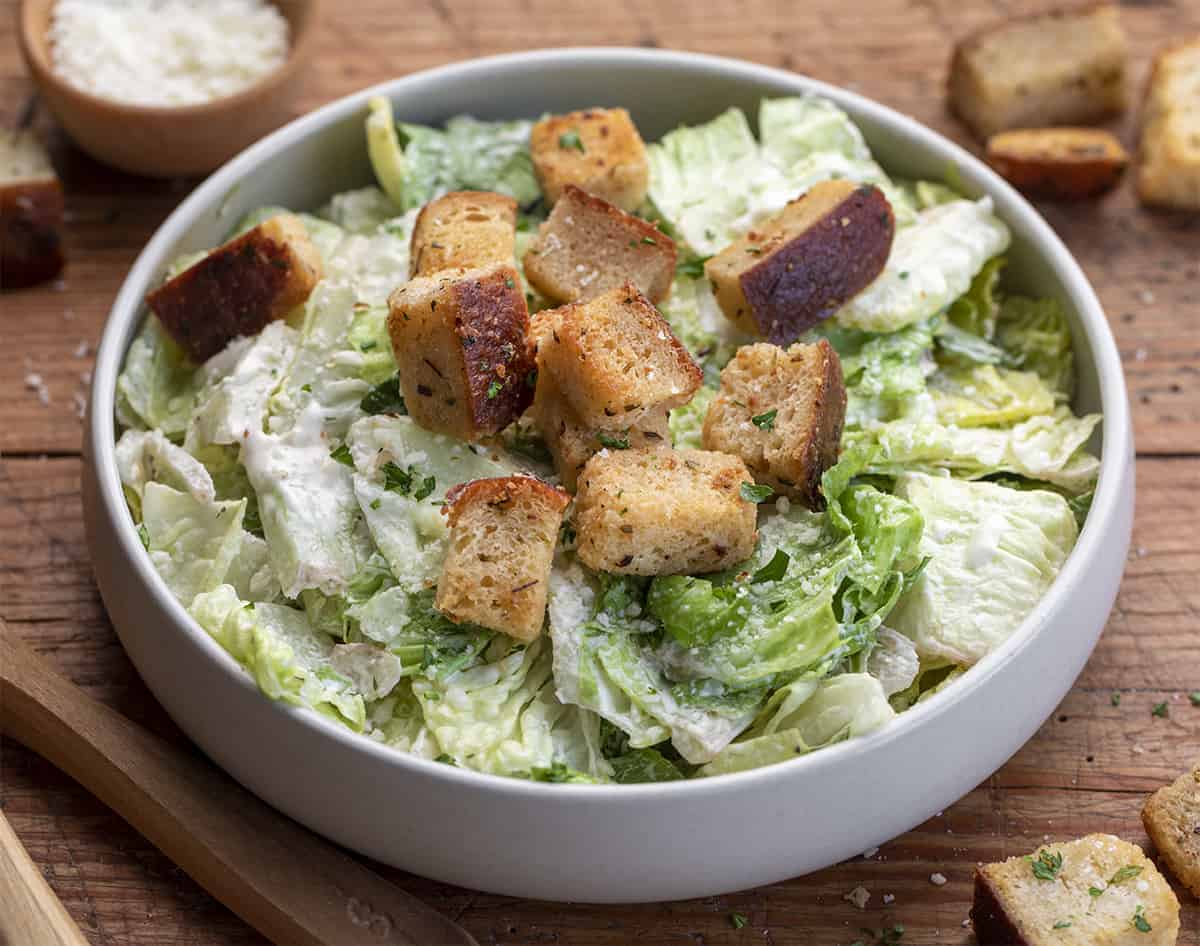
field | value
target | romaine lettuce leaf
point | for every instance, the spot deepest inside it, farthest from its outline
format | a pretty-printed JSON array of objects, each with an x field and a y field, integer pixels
[
  {"x": 975, "y": 310},
  {"x": 157, "y": 387},
  {"x": 893, "y": 661},
  {"x": 1036, "y": 335},
  {"x": 145, "y": 456},
  {"x": 697, "y": 321},
  {"x": 687, "y": 422},
  {"x": 363, "y": 210},
  {"x": 992, "y": 551},
  {"x": 191, "y": 543},
  {"x": 983, "y": 395}
]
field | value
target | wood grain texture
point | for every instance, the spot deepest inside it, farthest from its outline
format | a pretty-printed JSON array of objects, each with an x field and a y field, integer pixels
[
  {"x": 1086, "y": 770},
  {"x": 32, "y": 913}
]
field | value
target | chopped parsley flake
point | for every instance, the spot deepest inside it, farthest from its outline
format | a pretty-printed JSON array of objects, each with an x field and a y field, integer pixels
[
  {"x": 1128, "y": 872},
  {"x": 766, "y": 420},
  {"x": 613, "y": 443},
  {"x": 1139, "y": 921},
  {"x": 445, "y": 759},
  {"x": 1160, "y": 710},
  {"x": 341, "y": 453},
  {"x": 650, "y": 241},
  {"x": 493, "y": 389},
  {"x": 737, "y": 920},
  {"x": 774, "y": 570},
  {"x": 1047, "y": 865},
  {"x": 1062, "y": 925},
  {"x": 1194, "y": 696},
  {"x": 569, "y": 140},
  {"x": 384, "y": 398},
  {"x": 693, "y": 267},
  {"x": 509, "y": 283},
  {"x": 406, "y": 482},
  {"x": 144, "y": 535},
  {"x": 1094, "y": 892},
  {"x": 756, "y": 494},
  {"x": 1116, "y": 699}
]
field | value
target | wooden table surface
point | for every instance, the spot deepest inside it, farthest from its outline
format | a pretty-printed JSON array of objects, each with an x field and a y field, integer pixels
[{"x": 1088, "y": 768}]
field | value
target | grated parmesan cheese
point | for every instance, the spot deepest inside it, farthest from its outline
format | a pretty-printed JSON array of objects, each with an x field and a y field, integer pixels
[{"x": 166, "y": 52}]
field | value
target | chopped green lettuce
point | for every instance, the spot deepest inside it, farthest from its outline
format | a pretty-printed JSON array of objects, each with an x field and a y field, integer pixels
[
  {"x": 1035, "y": 333},
  {"x": 975, "y": 310},
  {"x": 893, "y": 661},
  {"x": 984, "y": 395},
  {"x": 157, "y": 387},
  {"x": 694, "y": 316},
  {"x": 145, "y": 456},
  {"x": 361, "y": 211},
  {"x": 191, "y": 543},
  {"x": 687, "y": 422}
]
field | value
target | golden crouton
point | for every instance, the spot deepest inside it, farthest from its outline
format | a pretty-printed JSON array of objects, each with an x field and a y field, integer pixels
[
  {"x": 806, "y": 262},
  {"x": 239, "y": 287},
  {"x": 1061, "y": 67},
  {"x": 663, "y": 512},
  {"x": 782, "y": 412},
  {"x": 588, "y": 247},
  {"x": 1097, "y": 891},
  {"x": 1062, "y": 163},
  {"x": 598, "y": 150},
  {"x": 615, "y": 358},
  {"x": 460, "y": 343},
  {"x": 1172, "y": 819},
  {"x": 1169, "y": 162},
  {"x": 572, "y": 443},
  {"x": 497, "y": 569},
  {"x": 31, "y": 213},
  {"x": 464, "y": 230}
]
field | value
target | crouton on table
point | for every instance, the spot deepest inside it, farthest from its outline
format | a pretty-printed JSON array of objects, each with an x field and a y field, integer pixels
[
  {"x": 663, "y": 512},
  {"x": 781, "y": 411},
  {"x": 31, "y": 213},
  {"x": 1097, "y": 891},
  {"x": 598, "y": 149},
  {"x": 239, "y": 287},
  {"x": 1060, "y": 67},
  {"x": 806, "y": 262},
  {"x": 497, "y": 568},
  {"x": 1172, "y": 819},
  {"x": 588, "y": 246},
  {"x": 1169, "y": 162},
  {"x": 1063, "y": 163},
  {"x": 460, "y": 341},
  {"x": 463, "y": 230},
  {"x": 615, "y": 358}
]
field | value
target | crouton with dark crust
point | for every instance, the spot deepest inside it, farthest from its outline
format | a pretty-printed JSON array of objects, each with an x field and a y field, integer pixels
[
  {"x": 663, "y": 512},
  {"x": 239, "y": 287},
  {"x": 806, "y": 262},
  {"x": 497, "y": 568},
  {"x": 782, "y": 412},
  {"x": 615, "y": 358},
  {"x": 460, "y": 341},
  {"x": 597, "y": 149},
  {"x": 1171, "y": 817},
  {"x": 588, "y": 246},
  {"x": 464, "y": 230},
  {"x": 31, "y": 213},
  {"x": 1058, "y": 163}
]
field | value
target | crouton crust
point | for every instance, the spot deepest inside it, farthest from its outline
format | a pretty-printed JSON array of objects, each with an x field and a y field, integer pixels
[
  {"x": 663, "y": 512},
  {"x": 588, "y": 246},
  {"x": 596, "y": 149},
  {"x": 460, "y": 341},
  {"x": 806, "y": 262},
  {"x": 1169, "y": 151},
  {"x": 31, "y": 214},
  {"x": 239, "y": 287},
  {"x": 1061, "y": 163},
  {"x": 463, "y": 229},
  {"x": 1171, "y": 817},
  {"x": 791, "y": 450},
  {"x": 502, "y": 537}
]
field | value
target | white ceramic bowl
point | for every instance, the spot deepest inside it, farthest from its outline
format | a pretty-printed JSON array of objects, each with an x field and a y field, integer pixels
[{"x": 605, "y": 843}]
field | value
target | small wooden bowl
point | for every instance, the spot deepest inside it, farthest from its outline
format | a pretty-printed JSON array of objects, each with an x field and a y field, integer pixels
[{"x": 166, "y": 141}]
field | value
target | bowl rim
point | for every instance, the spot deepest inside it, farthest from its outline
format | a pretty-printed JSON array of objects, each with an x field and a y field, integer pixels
[
  {"x": 300, "y": 43},
  {"x": 1105, "y": 510}
]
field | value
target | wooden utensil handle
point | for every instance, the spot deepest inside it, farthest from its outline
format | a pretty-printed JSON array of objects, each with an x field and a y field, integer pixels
[
  {"x": 288, "y": 884},
  {"x": 31, "y": 912}
]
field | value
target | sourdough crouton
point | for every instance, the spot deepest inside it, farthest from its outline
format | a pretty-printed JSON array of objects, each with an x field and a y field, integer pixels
[
  {"x": 1169, "y": 167},
  {"x": 588, "y": 246},
  {"x": 460, "y": 343},
  {"x": 806, "y": 262},
  {"x": 239, "y": 287},
  {"x": 615, "y": 358},
  {"x": 598, "y": 149},
  {"x": 572, "y": 442},
  {"x": 1172, "y": 819},
  {"x": 1063, "y": 163},
  {"x": 497, "y": 569},
  {"x": 663, "y": 512},
  {"x": 1097, "y": 891},
  {"x": 1060, "y": 67},
  {"x": 782, "y": 412},
  {"x": 464, "y": 230},
  {"x": 31, "y": 213}
]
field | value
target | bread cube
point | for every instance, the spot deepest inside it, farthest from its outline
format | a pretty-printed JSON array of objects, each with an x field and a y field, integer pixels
[
  {"x": 1061, "y": 163},
  {"x": 572, "y": 443},
  {"x": 31, "y": 213},
  {"x": 239, "y": 287},
  {"x": 598, "y": 149},
  {"x": 1169, "y": 168},
  {"x": 663, "y": 512},
  {"x": 803, "y": 264},
  {"x": 1097, "y": 891},
  {"x": 782, "y": 412},
  {"x": 1172, "y": 819},
  {"x": 1060, "y": 67},
  {"x": 615, "y": 358},
  {"x": 460, "y": 343},
  {"x": 588, "y": 247},
  {"x": 464, "y": 230},
  {"x": 497, "y": 568}
]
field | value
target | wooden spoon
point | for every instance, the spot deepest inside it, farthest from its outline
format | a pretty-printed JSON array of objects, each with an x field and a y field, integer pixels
[
  {"x": 32, "y": 913},
  {"x": 287, "y": 883}
]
